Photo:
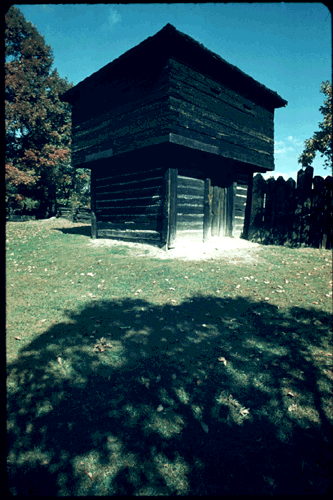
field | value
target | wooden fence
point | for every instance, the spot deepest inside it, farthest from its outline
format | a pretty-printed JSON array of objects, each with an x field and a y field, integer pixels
[
  {"x": 292, "y": 213},
  {"x": 74, "y": 214}
]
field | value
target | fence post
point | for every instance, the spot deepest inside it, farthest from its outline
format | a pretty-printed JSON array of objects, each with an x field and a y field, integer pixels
[
  {"x": 328, "y": 213},
  {"x": 304, "y": 184},
  {"x": 317, "y": 229}
]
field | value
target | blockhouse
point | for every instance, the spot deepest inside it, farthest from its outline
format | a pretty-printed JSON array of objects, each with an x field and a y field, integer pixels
[{"x": 172, "y": 134}]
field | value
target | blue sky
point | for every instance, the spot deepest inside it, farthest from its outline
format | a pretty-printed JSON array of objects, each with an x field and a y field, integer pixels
[{"x": 285, "y": 46}]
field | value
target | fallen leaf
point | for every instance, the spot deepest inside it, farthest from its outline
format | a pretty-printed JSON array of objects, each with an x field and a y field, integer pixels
[
  {"x": 290, "y": 394},
  {"x": 204, "y": 426},
  {"x": 18, "y": 338},
  {"x": 223, "y": 360}
]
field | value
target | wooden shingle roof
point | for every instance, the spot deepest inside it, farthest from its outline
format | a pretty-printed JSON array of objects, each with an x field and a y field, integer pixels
[{"x": 169, "y": 42}]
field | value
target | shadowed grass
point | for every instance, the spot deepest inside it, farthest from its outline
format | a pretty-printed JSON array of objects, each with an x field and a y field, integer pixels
[{"x": 188, "y": 386}]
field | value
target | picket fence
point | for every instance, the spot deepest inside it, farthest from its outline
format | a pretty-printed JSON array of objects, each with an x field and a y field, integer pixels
[{"x": 290, "y": 213}]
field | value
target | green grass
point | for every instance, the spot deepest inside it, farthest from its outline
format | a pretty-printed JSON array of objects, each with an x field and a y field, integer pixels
[{"x": 118, "y": 365}]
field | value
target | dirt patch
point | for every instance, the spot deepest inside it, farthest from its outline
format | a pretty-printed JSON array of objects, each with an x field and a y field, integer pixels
[{"x": 232, "y": 249}]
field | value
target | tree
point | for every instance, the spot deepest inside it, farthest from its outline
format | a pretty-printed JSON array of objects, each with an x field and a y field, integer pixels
[
  {"x": 37, "y": 123},
  {"x": 322, "y": 140}
]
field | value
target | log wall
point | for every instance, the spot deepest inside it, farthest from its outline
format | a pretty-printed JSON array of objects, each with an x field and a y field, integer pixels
[
  {"x": 206, "y": 111},
  {"x": 190, "y": 208},
  {"x": 128, "y": 199},
  {"x": 171, "y": 103},
  {"x": 241, "y": 195}
]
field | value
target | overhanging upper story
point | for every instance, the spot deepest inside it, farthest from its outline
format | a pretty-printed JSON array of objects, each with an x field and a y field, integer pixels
[{"x": 170, "y": 89}]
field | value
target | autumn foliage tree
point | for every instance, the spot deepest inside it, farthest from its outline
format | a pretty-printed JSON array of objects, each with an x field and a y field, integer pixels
[
  {"x": 321, "y": 142},
  {"x": 37, "y": 122}
]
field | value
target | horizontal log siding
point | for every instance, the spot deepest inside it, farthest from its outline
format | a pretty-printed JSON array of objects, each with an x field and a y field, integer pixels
[
  {"x": 190, "y": 208},
  {"x": 129, "y": 205},
  {"x": 240, "y": 204},
  {"x": 241, "y": 129},
  {"x": 132, "y": 117}
]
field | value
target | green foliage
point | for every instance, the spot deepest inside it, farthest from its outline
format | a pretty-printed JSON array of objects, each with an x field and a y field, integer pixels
[
  {"x": 321, "y": 141},
  {"x": 37, "y": 122}
]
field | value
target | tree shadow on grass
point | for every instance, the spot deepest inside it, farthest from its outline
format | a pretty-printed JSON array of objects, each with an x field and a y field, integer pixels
[
  {"x": 118, "y": 399},
  {"x": 84, "y": 230}
]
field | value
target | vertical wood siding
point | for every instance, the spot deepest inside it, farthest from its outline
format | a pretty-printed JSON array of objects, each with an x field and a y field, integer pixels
[{"x": 293, "y": 213}]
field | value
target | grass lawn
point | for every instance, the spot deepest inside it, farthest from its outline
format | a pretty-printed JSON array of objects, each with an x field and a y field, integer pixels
[{"x": 135, "y": 375}]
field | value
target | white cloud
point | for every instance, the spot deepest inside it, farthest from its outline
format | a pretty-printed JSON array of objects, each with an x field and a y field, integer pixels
[
  {"x": 113, "y": 17},
  {"x": 283, "y": 149},
  {"x": 289, "y": 144},
  {"x": 294, "y": 140}
]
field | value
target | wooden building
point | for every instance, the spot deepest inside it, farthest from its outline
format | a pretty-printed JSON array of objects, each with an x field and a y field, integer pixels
[{"x": 172, "y": 134}]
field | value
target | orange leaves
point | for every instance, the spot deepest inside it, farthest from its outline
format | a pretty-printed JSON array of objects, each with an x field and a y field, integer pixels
[{"x": 16, "y": 176}]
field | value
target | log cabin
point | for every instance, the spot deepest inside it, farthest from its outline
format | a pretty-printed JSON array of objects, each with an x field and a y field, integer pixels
[{"x": 172, "y": 134}]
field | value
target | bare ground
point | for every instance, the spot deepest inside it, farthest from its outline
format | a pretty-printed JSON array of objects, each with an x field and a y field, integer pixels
[{"x": 232, "y": 249}]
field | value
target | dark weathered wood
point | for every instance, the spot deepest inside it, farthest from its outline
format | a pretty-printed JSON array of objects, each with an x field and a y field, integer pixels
[
  {"x": 207, "y": 215},
  {"x": 215, "y": 211},
  {"x": 188, "y": 226},
  {"x": 181, "y": 72},
  {"x": 94, "y": 232},
  {"x": 124, "y": 178},
  {"x": 124, "y": 128},
  {"x": 190, "y": 209},
  {"x": 295, "y": 216},
  {"x": 200, "y": 119},
  {"x": 317, "y": 212},
  {"x": 169, "y": 229},
  {"x": 247, "y": 213},
  {"x": 193, "y": 139},
  {"x": 189, "y": 182},
  {"x": 131, "y": 224},
  {"x": 122, "y": 145},
  {"x": 215, "y": 126},
  {"x": 327, "y": 239},
  {"x": 223, "y": 212},
  {"x": 231, "y": 194},
  {"x": 135, "y": 235},
  {"x": 129, "y": 211}
]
